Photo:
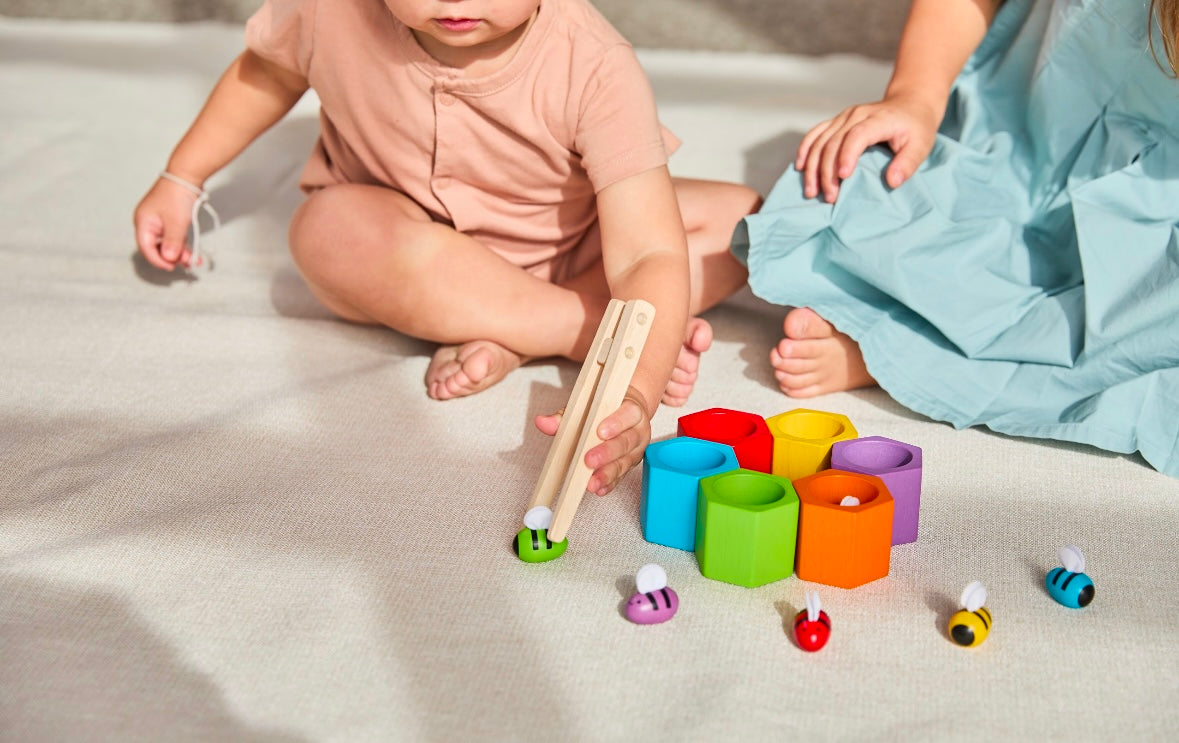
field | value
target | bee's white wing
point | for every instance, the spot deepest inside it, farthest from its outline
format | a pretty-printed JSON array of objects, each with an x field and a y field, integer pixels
[
  {"x": 538, "y": 517},
  {"x": 1072, "y": 559},
  {"x": 651, "y": 577},
  {"x": 813, "y": 605},
  {"x": 974, "y": 597}
]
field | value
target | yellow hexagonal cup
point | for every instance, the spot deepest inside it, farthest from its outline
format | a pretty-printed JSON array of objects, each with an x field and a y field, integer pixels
[{"x": 803, "y": 440}]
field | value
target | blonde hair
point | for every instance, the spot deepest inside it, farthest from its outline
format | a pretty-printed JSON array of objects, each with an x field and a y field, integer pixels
[{"x": 1166, "y": 12}]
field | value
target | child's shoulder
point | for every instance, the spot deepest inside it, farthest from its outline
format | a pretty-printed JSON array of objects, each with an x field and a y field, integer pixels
[
  {"x": 300, "y": 34},
  {"x": 583, "y": 26},
  {"x": 312, "y": 14}
]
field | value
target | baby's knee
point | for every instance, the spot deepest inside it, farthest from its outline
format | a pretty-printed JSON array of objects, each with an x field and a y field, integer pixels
[
  {"x": 355, "y": 220},
  {"x": 715, "y": 205},
  {"x": 738, "y": 200},
  {"x": 316, "y": 220}
]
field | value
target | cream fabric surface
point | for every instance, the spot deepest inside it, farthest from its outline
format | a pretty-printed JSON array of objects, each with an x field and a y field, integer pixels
[{"x": 226, "y": 516}]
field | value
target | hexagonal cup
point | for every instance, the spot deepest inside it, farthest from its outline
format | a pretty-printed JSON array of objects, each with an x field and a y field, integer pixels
[
  {"x": 747, "y": 526},
  {"x": 672, "y": 470},
  {"x": 843, "y": 546},
  {"x": 896, "y": 463},
  {"x": 803, "y": 440},
  {"x": 747, "y": 433}
]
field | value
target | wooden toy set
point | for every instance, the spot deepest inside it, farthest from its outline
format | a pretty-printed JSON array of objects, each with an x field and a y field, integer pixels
[{"x": 759, "y": 499}]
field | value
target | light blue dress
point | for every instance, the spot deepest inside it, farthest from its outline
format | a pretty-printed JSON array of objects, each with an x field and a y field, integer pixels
[{"x": 1026, "y": 278}]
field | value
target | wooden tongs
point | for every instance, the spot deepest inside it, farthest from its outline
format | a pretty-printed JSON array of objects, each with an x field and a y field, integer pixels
[{"x": 599, "y": 390}]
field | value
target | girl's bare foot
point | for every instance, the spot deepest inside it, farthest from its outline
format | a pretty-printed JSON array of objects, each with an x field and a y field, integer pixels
[
  {"x": 697, "y": 340},
  {"x": 456, "y": 371},
  {"x": 815, "y": 359}
]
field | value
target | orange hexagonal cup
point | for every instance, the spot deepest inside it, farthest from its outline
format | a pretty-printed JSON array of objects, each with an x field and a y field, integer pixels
[{"x": 843, "y": 545}]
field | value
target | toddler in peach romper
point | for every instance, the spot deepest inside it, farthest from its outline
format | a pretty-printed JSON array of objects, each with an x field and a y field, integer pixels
[
  {"x": 512, "y": 159},
  {"x": 488, "y": 175}
]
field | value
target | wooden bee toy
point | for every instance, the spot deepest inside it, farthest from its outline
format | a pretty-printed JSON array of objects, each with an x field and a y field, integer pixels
[
  {"x": 654, "y": 602},
  {"x": 812, "y": 626},
  {"x": 532, "y": 543},
  {"x": 970, "y": 626},
  {"x": 1069, "y": 585}
]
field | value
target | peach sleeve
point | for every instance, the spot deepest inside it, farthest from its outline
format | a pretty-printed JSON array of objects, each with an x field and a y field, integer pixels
[
  {"x": 282, "y": 32},
  {"x": 618, "y": 132}
]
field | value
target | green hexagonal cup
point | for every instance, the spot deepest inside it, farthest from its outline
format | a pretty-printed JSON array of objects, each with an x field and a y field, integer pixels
[{"x": 746, "y": 527}]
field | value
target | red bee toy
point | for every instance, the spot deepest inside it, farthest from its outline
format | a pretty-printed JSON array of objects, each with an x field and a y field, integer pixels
[{"x": 812, "y": 626}]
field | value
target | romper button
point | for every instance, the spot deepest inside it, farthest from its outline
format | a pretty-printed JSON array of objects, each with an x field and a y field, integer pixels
[{"x": 446, "y": 99}]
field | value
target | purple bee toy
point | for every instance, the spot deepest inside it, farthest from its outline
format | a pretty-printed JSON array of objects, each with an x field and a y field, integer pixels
[{"x": 654, "y": 602}]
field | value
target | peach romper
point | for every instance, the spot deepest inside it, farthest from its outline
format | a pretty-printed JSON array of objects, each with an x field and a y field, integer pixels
[{"x": 512, "y": 159}]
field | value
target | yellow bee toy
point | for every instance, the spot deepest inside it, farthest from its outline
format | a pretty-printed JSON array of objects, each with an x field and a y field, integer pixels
[{"x": 970, "y": 626}]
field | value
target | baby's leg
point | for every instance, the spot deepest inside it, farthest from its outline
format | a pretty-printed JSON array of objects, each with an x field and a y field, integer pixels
[
  {"x": 372, "y": 255},
  {"x": 814, "y": 358},
  {"x": 710, "y": 211}
]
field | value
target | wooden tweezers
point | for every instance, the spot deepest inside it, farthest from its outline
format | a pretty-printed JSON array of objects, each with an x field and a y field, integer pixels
[{"x": 600, "y": 388}]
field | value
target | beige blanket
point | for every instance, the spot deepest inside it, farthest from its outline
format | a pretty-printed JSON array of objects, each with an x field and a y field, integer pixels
[{"x": 226, "y": 516}]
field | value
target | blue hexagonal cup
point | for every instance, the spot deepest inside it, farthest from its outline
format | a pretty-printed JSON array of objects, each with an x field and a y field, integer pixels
[{"x": 672, "y": 471}]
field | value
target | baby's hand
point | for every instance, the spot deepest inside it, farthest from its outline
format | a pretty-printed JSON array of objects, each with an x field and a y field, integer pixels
[
  {"x": 829, "y": 151},
  {"x": 625, "y": 434},
  {"x": 162, "y": 220}
]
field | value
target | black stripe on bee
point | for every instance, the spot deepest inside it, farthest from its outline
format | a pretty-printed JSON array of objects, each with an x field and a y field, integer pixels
[
  {"x": 823, "y": 620},
  {"x": 666, "y": 598},
  {"x": 1067, "y": 581},
  {"x": 535, "y": 539},
  {"x": 654, "y": 603},
  {"x": 985, "y": 616},
  {"x": 1056, "y": 574}
]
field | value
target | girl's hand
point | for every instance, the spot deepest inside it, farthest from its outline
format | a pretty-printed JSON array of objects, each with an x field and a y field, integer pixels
[
  {"x": 625, "y": 434},
  {"x": 162, "y": 220},
  {"x": 829, "y": 151}
]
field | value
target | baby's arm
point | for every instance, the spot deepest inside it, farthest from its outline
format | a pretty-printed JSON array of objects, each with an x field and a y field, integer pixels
[
  {"x": 249, "y": 98},
  {"x": 645, "y": 256},
  {"x": 939, "y": 36}
]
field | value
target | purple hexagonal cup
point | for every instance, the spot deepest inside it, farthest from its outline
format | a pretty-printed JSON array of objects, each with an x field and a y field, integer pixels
[{"x": 896, "y": 463}]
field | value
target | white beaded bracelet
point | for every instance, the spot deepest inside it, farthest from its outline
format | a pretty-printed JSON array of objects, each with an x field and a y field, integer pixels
[{"x": 202, "y": 202}]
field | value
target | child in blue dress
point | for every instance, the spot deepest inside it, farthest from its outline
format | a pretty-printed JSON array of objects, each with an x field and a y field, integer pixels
[{"x": 1016, "y": 267}]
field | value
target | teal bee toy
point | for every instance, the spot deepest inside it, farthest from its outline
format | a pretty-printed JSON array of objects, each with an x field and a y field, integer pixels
[
  {"x": 532, "y": 543},
  {"x": 1069, "y": 585},
  {"x": 970, "y": 626}
]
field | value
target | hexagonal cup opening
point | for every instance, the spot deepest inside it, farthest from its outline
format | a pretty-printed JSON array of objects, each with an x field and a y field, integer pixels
[
  {"x": 747, "y": 490},
  {"x": 831, "y": 489},
  {"x": 875, "y": 454},
  {"x": 686, "y": 455},
  {"x": 720, "y": 425},
  {"x": 809, "y": 425}
]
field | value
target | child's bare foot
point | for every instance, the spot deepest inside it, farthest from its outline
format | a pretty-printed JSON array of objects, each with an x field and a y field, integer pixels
[
  {"x": 815, "y": 359},
  {"x": 697, "y": 340},
  {"x": 456, "y": 371}
]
